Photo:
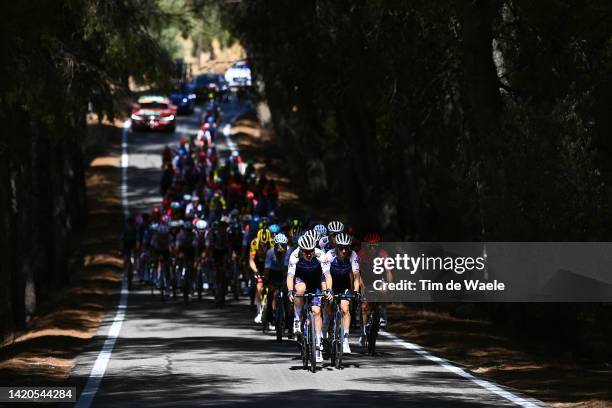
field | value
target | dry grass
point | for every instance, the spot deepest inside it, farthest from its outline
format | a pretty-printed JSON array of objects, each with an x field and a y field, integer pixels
[
  {"x": 486, "y": 351},
  {"x": 45, "y": 352}
]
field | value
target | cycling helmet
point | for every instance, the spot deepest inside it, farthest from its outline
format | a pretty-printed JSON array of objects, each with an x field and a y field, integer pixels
[
  {"x": 247, "y": 218},
  {"x": 263, "y": 235},
  {"x": 256, "y": 218},
  {"x": 180, "y": 223},
  {"x": 274, "y": 228},
  {"x": 187, "y": 197},
  {"x": 154, "y": 226},
  {"x": 320, "y": 228},
  {"x": 335, "y": 227},
  {"x": 173, "y": 224},
  {"x": 343, "y": 239},
  {"x": 372, "y": 238},
  {"x": 195, "y": 198},
  {"x": 281, "y": 239},
  {"x": 225, "y": 219},
  {"x": 201, "y": 225},
  {"x": 307, "y": 242},
  {"x": 313, "y": 234},
  {"x": 175, "y": 205}
]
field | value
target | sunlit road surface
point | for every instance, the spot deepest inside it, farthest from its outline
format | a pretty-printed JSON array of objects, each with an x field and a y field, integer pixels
[{"x": 174, "y": 355}]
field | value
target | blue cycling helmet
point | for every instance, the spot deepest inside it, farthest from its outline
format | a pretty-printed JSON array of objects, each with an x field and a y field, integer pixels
[
  {"x": 320, "y": 228},
  {"x": 274, "y": 228}
]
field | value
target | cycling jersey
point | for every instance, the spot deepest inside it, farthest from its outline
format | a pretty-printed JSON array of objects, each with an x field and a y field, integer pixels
[
  {"x": 340, "y": 270},
  {"x": 310, "y": 272},
  {"x": 259, "y": 251},
  {"x": 276, "y": 266}
]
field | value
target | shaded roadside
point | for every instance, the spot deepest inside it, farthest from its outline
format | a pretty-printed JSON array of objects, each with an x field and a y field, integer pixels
[
  {"x": 44, "y": 353},
  {"x": 477, "y": 345}
]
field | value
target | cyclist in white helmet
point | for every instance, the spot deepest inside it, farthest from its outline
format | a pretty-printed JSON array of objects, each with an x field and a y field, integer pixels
[
  {"x": 343, "y": 265},
  {"x": 306, "y": 273},
  {"x": 275, "y": 269},
  {"x": 333, "y": 228}
]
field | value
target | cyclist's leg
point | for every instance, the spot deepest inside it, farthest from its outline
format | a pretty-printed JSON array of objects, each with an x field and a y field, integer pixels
[
  {"x": 298, "y": 303},
  {"x": 346, "y": 315}
]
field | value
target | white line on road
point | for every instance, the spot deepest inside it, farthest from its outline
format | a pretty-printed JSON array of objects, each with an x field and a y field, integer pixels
[
  {"x": 459, "y": 371},
  {"x": 99, "y": 368}
]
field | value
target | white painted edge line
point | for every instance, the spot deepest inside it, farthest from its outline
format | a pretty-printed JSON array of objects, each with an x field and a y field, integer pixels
[
  {"x": 461, "y": 372},
  {"x": 99, "y": 368},
  {"x": 227, "y": 131}
]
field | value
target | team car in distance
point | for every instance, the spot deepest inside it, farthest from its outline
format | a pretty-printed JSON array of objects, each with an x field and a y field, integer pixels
[
  {"x": 183, "y": 97},
  {"x": 154, "y": 113},
  {"x": 239, "y": 74}
]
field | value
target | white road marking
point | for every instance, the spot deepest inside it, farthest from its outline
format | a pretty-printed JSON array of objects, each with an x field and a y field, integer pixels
[
  {"x": 461, "y": 372},
  {"x": 99, "y": 368}
]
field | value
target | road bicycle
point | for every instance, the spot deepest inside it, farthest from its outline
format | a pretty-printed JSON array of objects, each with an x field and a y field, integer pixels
[
  {"x": 308, "y": 339},
  {"x": 336, "y": 328},
  {"x": 372, "y": 328}
]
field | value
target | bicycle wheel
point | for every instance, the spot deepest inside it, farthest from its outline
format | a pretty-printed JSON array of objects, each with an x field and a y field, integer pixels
[
  {"x": 163, "y": 282},
  {"x": 338, "y": 337},
  {"x": 200, "y": 282},
  {"x": 373, "y": 332},
  {"x": 313, "y": 342},
  {"x": 280, "y": 316},
  {"x": 304, "y": 345},
  {"x": 186, "y": 284},
  {"x": 264, "y": 311}
]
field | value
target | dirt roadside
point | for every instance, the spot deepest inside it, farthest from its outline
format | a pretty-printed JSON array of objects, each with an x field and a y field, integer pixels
[
  {"x": 476, "y": 345},
  {"x": 44, "y": 353}
]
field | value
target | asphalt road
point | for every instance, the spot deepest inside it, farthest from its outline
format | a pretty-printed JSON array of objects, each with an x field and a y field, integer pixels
[{"x": 172, "y": 355}]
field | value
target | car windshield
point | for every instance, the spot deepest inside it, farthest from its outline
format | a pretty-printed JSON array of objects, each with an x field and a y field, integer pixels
[{"x": 153, "y": 105}]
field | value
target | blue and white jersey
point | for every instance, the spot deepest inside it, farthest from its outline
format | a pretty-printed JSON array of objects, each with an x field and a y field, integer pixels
[
  {"x": 272, "y": 261},
  {"x": 341, "y": 270},
  {"x": 308, "y": 271}
]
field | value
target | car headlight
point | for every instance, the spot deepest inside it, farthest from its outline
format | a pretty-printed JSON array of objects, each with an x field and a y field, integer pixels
[
  {"x": 136, "y": 117},
  {"x": 166, "y": 118}
]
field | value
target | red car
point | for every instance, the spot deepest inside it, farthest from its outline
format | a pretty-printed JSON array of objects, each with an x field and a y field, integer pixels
[{"x": 154, "y": 113}]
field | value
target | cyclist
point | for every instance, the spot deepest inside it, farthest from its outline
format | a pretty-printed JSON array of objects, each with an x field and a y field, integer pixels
[
  {"x": 342, "y": 262},
  {"x": 371, "y": 249},
  {"x": 322, "y": 231},
  {"x": 275, "y": 267},
  {"x": 161, "y": 243},
  {"x": 257, "y": 257},
  {"x": 333, "y": 228},
  {"x": 306, "y": 271},
  {"x": 218, "y": 248}
]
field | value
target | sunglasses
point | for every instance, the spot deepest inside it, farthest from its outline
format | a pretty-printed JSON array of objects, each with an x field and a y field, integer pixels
[
  {"x": 308, "y": 252},
  {"x": 343, "y": 248}
]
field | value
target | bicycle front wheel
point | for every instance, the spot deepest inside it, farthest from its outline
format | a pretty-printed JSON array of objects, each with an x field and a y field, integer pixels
[
  {"x": 313, "y": 342},
  {"x": 338, "y": 338}
]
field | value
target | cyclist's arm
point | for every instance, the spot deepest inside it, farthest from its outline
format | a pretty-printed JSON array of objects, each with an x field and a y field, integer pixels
[
  {"x": 252, "y": 263},
  {"x": 291, "y": 273}
]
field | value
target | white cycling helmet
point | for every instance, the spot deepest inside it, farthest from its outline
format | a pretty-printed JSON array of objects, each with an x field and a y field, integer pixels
[
  {"x": 307, "y": 242},
  {"x": 280, "y": 238},
  {"x": 201, "y": 225},
  {"x": 320, "y": 228},
  {"x": 313, "y": 234},
  {"x": 344, "y": 239},
  {"x": 335, "y": 227}
]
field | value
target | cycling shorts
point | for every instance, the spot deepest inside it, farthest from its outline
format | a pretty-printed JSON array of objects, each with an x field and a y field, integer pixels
[
  {"x": 275, "y": 278},
  {"x": 309, "y": 288}
]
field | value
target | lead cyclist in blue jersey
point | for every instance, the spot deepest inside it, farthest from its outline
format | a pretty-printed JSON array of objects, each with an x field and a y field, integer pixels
[{"x": 306, "y": 272}]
